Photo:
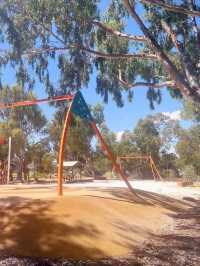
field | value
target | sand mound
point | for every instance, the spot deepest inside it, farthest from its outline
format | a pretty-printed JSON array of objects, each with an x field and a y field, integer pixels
[{"x": 83, "y": 224}]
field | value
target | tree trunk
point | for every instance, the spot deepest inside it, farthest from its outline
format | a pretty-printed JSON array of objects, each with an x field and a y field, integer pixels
[{"x": 179, "y": 79}]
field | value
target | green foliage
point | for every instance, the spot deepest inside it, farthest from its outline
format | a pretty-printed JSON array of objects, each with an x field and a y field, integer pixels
[
  {"x": 127, "y": 144},
  {"x": 46, "y": 163},
  {"x": 29, "y": 119},
  {"x": 37, "y": 34},
  {"x": 30, "y": 24},
  {"x": 153, "y": 135},
  {"x": 191, "y": 111},
  {"x": 22, "y": 124},
  {"x": 80, "y": 134},
  {"x": 189, "y": 172},
  {"x": 188, "y": 149},
  {"x": 147, "y": 138},
  {"x": 168, "y": 165},
  {"x": 79, "y": 139},
  {"x": 101, "y": 165},
  {"x": 39, "y": 154}
]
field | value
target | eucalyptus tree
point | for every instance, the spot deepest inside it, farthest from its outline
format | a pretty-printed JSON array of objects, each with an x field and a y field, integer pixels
[
  {"x": 188, "y": 145},
  {"x": 147, "y": 138},
  {"x": 77, "y": 37},
  {"x": 188, "y": 150},
  {"x": 191, "y": 111},
  {"x": 23, "y": 124},
  {"x": 79, "y": 139}
]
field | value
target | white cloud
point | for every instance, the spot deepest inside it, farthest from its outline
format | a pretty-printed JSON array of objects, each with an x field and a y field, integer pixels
[
  {"x": 176, "y": 115},
  {"x": 119, "y": 135}
]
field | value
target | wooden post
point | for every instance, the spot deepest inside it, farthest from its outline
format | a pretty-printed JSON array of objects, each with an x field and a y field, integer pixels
[
  {"x": 62, "y": 149},
  {"x": 9, "y": 159},
  {"x": 155, "y": 168},
  {"x": 111, "y": 157},
  {"x": 152, "y": 169}
]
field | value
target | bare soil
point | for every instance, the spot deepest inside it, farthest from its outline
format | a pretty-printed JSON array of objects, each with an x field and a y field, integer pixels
[{"x": 105, "y": 226}]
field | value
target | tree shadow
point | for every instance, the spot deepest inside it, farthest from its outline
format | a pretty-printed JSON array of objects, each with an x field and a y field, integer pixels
[
  {"x": 112, "y": 198},
  {"x": 145, "y": 198},
  {"x": 27, "y": 229},
  {"x": 180, "y": 246}
]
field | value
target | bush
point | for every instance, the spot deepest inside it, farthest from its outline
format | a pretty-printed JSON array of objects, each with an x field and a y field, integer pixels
[
  {"x": 169, "y": 174},
  {"x": 189, "y": 173},
  {"x": 102, "y": 165}
]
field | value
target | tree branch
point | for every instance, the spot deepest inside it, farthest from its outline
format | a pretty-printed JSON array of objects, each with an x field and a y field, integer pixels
[
  {"x": 178, "y": 77},
  {"x": 147, "y": 84},
  {"x": 195, "y": 25},
  {"x": 96, "y": 54},
  {"x": 172, "y": 8},
  {"x": 117, "y": 33},
  {"x": 184, "y": 57},
  {"x": 29, "y": 15},
  {"x": 172, "y": 35}
]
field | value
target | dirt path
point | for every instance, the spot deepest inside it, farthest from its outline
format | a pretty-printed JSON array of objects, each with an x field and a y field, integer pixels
[
  {"x": 88, "y": 225},
  {"x": 179, "y": 245}
]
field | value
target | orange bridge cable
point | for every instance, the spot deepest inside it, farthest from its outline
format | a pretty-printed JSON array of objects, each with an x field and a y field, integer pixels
[
  {"x": 36, "y": 101},
  {"x": 111, "y": 157}
]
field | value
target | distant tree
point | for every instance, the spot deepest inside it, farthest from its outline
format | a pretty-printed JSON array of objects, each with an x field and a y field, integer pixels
[
  {"x": 109, "y": 137},
  {"x": 147, "y": 138},
  {"x": 188, "y": 150},
  {"x": 38, "y": 153},
  {"x": 169, "y": 130},
  {"x": 191, "y": 111},
  {"x": 101, "y": 163},
  {"x": 188, "y": 146},
  {"x": 79, "y": 139},
  {"x": 21, "y": 123},
  {"x": 46, "y": 164},
  {"x": 168, "y": 165},
  {"x": 127, "y": 144}
]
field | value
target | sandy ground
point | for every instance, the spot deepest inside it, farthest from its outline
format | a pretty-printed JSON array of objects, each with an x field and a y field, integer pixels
[
  {"x": 45, "y": 191},
  {"x": 91, "y": 221}
]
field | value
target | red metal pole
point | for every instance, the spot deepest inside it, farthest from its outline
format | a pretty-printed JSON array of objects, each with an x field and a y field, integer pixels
[
  {"x": 64, "y": 132},
  {"x": 35, "y": 101},
  {"x": 62, "y": 149},
  {"x": 111, "y": 157}
]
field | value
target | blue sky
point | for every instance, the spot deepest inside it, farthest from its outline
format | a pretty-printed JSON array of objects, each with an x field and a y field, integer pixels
[
  {"x": 117, "y": 119},
  {"x": 126, "y": 118}
]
